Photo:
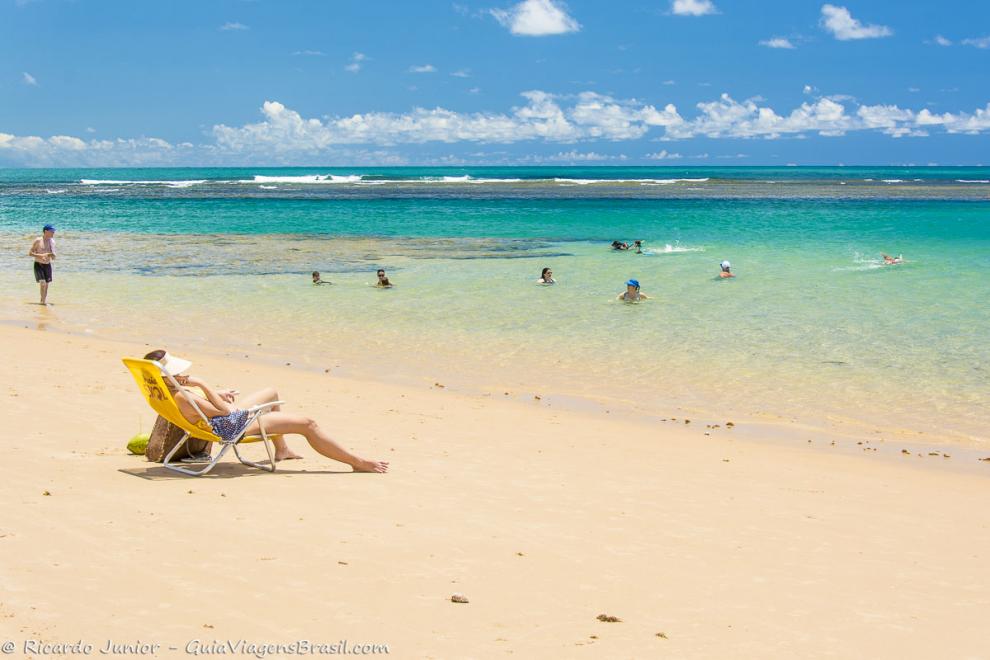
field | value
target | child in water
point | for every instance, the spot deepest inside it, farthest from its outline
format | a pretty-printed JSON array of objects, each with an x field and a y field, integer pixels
[
  {"x": 383, "y": 282},
  {"x": 316, "y": 279},
  {"x": 726, "y": 270},
  {"x": 546, "y": 277},
  {"x": 890, "y": 261}
]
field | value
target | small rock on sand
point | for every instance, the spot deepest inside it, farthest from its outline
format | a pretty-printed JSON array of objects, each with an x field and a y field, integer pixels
[
  {"x": 459, "y": 598},
  {"x": 607, "y": 618}
]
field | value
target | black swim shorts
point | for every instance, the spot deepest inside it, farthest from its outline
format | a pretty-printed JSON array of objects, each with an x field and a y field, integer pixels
[{"x": 42, "y": 272}]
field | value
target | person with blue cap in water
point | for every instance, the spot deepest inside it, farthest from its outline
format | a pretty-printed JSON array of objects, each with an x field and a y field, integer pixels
[
  {"x": 632, "y": 292},
  {"x": 726, "y": 270},
  {"x": 43, "y": 252}
]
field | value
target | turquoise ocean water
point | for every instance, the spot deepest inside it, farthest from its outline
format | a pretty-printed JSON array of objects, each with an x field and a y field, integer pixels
[{"x": 813, "y": 329}]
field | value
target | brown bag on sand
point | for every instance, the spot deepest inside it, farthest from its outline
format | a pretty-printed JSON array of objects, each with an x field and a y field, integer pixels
[{"x": 164, "y": 436}]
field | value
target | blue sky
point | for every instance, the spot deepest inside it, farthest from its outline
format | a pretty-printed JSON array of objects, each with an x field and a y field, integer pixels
[{"x": 680, "y": 82}]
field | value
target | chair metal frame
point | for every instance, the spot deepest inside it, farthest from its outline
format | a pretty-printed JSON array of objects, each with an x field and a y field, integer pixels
[{"x": 255, "y": 413}]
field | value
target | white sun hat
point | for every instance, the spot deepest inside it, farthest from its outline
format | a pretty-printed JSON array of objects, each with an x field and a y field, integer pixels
[
  {"x": 725, "y": 264},
  {"x": 174, "y": 365}
]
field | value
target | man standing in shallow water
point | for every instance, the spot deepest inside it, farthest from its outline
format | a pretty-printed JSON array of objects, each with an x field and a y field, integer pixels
[{"x": 43, "y": 251}]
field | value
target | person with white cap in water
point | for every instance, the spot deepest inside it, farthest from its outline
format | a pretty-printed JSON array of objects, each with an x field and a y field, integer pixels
[{"x": 726, "y": 270}]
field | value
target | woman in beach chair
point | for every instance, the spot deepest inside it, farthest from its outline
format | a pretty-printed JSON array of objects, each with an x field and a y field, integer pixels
[{"x": 228, "y": 421}]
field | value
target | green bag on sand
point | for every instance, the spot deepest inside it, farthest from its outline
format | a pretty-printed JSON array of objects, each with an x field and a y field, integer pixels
[{"x": 138, "y": 444}]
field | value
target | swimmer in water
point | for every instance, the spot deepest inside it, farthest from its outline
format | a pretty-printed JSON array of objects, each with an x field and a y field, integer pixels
[
  {"x": 546, "y": 277},
  {"x": 639, "y": 246},
  {"x": 726, "y": 270},
  {"x": 632, "y": 292},
  {"x": 619, "y": 245},
  {"x": 890, "y": 261},
  {"x": 316, "y": 279},
  {"x": 383, "y": 282}
]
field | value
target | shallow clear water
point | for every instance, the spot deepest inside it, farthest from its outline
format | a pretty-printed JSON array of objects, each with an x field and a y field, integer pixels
[{"x": 813, "y": 328}]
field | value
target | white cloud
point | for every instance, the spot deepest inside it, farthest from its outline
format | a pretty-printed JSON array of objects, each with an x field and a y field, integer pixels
[
  {"x": 310, "y": 53},
  {"x": 474, "y": 90},
  {"x": 29, "y": 79},
  {"x": 90, "y": 129},
  {"x": 844, "y": 27},
  {"x": 461, "y": 73},
  {"x": 669, "y": 82},
  {"x": 663, "y": 154},
  {"x": 692, "y": 7},
  {"x": 357, "y": 60},
  {"x": 537, "y": 18},
  {"x": 233, "y": 25},
  {"x": 729, "y": 118},
  {"x": 893, "y": 120},
  {"x": 590, "y": 116},
  {"x": 425, "y": 68},
  {"x": 942, "y": 41},
  {"x": 981, "y": 42},
  {"x": 284, "y": 136},
  {"x": 808, "y": 89},
  {"x": 576, "y": 156},
  {"x": 777, "y": 42},
  {"x": 66, "y": 150}
]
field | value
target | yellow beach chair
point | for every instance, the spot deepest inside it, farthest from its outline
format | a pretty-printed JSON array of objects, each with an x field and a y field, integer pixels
[{"x": 150, "y": 377}]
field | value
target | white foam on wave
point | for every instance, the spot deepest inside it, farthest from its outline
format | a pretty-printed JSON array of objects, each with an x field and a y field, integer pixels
[
  {"x": 863, "y": 262},
  {"x": 676, "y": 248},
  {"x": 57, "y": 191},
  {"x": 667, "y": 182},
  {"x": 268, "y": 187},
  {"x": 466, "y": 178},
  {"x": 305, "y": 178},
  {"x": 115, "y": 182},
  {"x": 973, "y": 180},
  {"x": 642, "y": 182},
  {"x": 892, "y": 180}
]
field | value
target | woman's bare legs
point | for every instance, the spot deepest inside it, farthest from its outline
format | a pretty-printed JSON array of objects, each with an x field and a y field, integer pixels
[
  {"x": 283, "y": 422},
  {"x": 282, "y": 451}
]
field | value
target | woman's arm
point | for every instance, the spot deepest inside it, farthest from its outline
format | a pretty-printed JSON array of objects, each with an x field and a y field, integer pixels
[{"x": 217, "y": 404}]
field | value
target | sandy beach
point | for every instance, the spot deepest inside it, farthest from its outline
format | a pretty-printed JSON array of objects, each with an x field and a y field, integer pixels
[{"x": 705, "y": 546}]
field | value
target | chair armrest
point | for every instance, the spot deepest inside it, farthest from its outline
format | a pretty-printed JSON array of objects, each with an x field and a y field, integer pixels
[{"x": 264, "y": 407}]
